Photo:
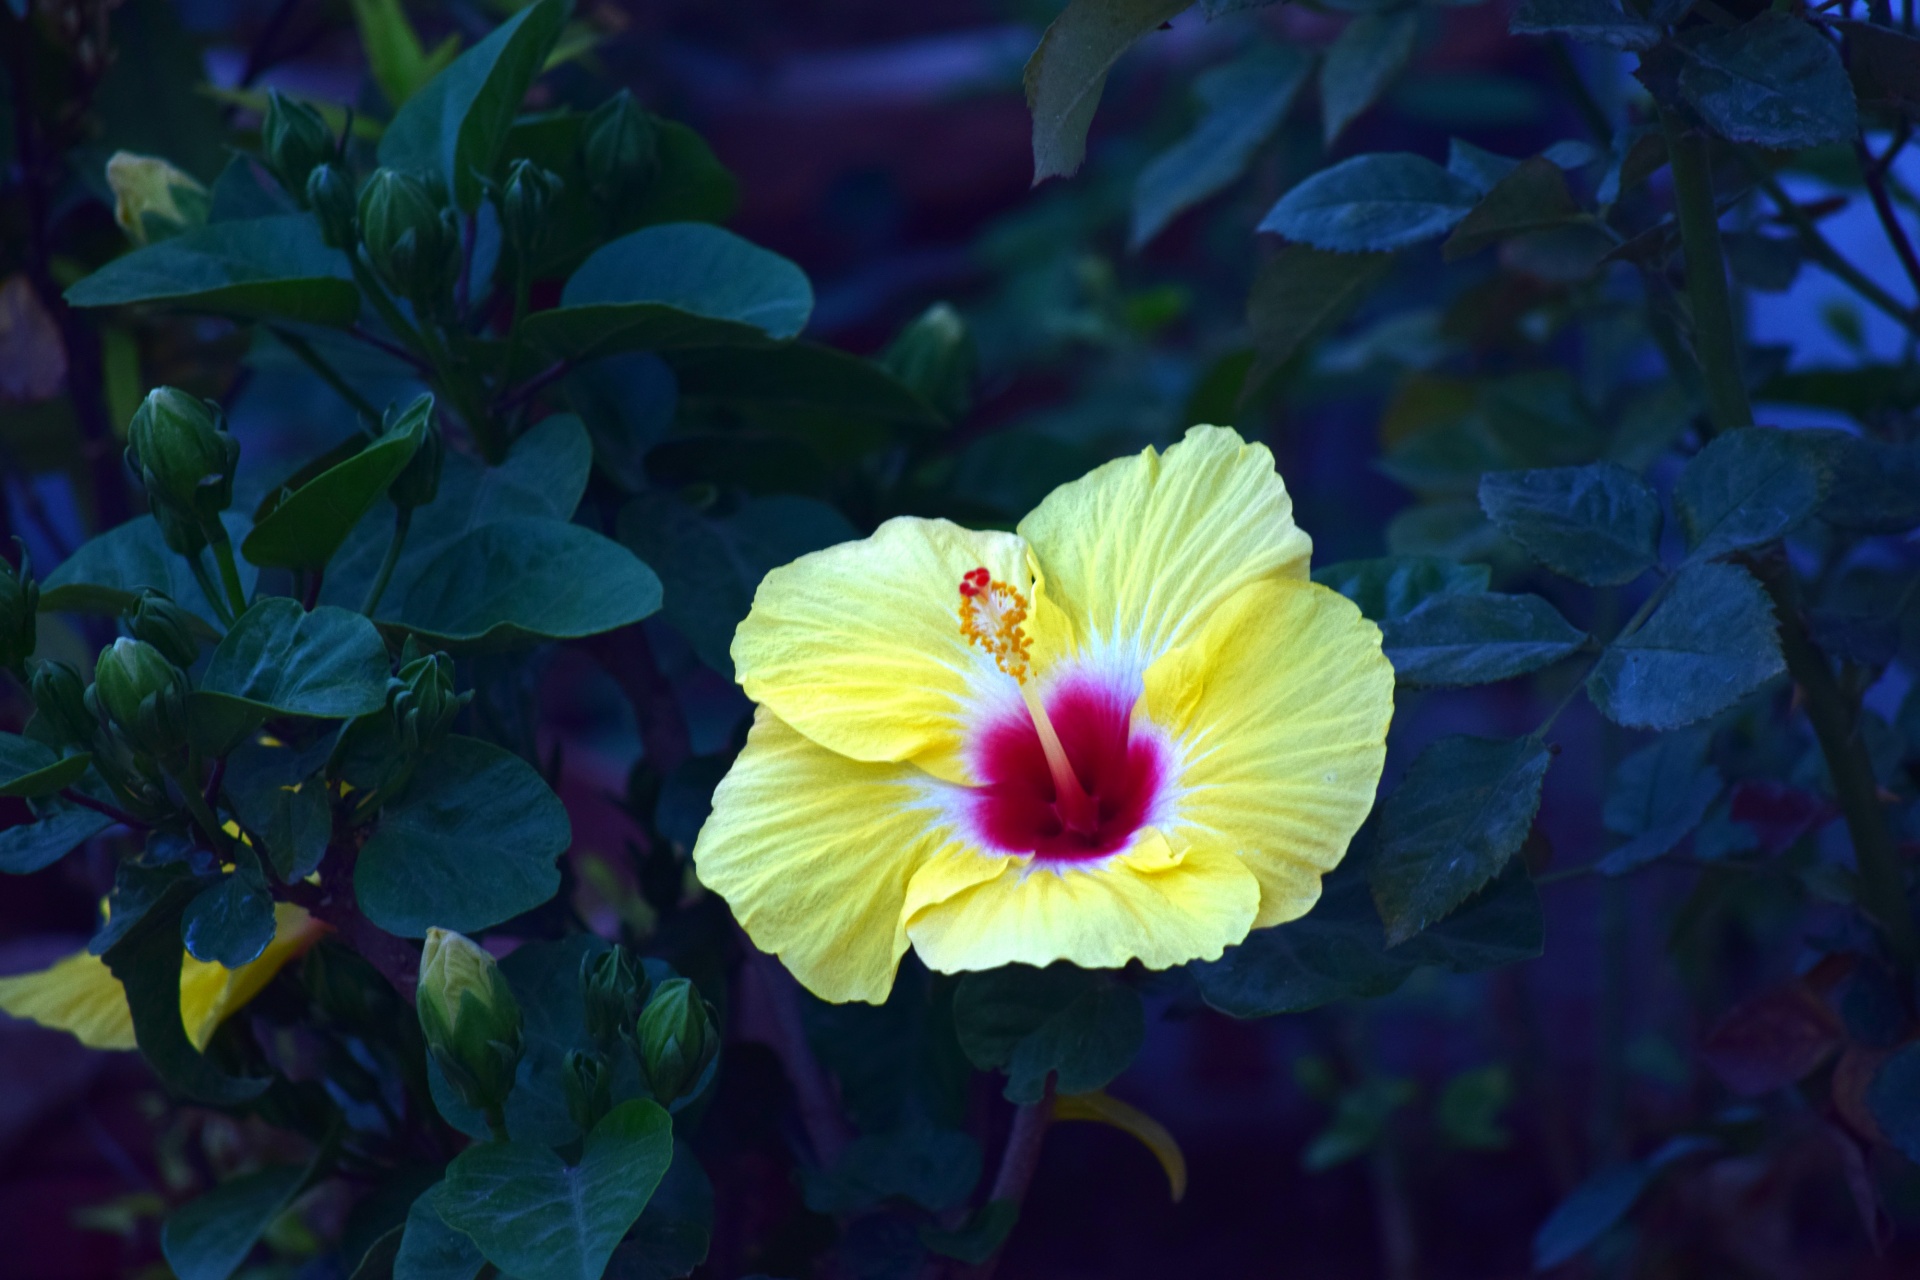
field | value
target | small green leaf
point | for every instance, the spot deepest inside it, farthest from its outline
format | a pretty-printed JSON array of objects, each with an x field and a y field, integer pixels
[
  {"x": 1066, "y": 74},
  {"x": 541, "y": 1219},
  {"x": 1773, "y": 82},
  {"x": 1468, "y": 1112},
  {"x": 683, "y": 284},
  {"x": 1499, "y": 925},
  {"x": 457, "y": 125},
  {"x": 1336, "y": 951},
  {"x": 1299, "y": 294},
  {"x": 1460, "y": 639},
  {"x": 1387, "y": 200},
  {"x": 1602, "y": 22},
  {"x": 258, "y": 268},
  {"x": 470, "y": 843},
  {"x": 1750, "y": 487},
  {"x": 1590, "y": 1210},
  {"x": 32, "y": 846},
  {"x": 329, "y": 664},
  {"x": 208, "y": 1238},
  {"x": 1597, "y": 524},
  {"x": 1533, "y": 197},
  {"x": 1465, "y": 807},
  {"x": 1657, "y": 797},
  {"x": 432, "y": 1250},
  {"x": 1364, "y": 59},
  {"x": 305, "y": 528},
  {"x": 108, "y": 573},
  {"x": 400, "y": 65},
  {"x": 1034, "y": 1022},
  {"x": 230, "y": 922},
  {"x": 29, "y": 770},
  {"x": 1243, "y": 103},
  {"x": 934, "y": 1168},
  {"x": 1394, "y": 586},
  {"x": 1710, "y": 643}
]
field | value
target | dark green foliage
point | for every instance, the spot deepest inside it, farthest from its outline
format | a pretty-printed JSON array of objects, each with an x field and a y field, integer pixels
[
  {"x": 209, "y": 1238},
  {"x": 1079, "y": 1025},
  {"x": 1397, "y": 585},
  {"x": 1597, "y": 524},
  {"x": 1374, "y": 202},
  {"x": 260, "y": 268},
  {"x": 230, "y": 922},
  {"x": 1602, "y": 22},
  {"x": 1774, "y": 82},
  {"x": 1748, "y": 488},
  {"x": 303, "y": 529},
  {"x": 1371, "y": 50},
  {"x": 1710, "y": 642},
  {"x": 32, "y": 771},
  {"x": 1658, "y": 796},
  {"x": 1478, "y": 638}
]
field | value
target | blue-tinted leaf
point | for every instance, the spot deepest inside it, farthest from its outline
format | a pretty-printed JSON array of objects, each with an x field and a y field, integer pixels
[
  {"x": 262, "y": 268},
  {"x": 329, "y": 664},
  {"x": 31, "y": 846},
  {"x": 1463, "y": 639},
  {"x": 108, "y": 573},
  {"x": 1597, "y": 524},
  {"x": 1749, "y": 487},
  {"x": 1386, "y": 200},
  {"x": 1066, "y": 73},
  {"x": 1363, "y": 60},
  {"x": 208, "y": 1238},
  {"x": 1658, "y": 796},
  {"x": 1601, "y": 22},
  {"x": 1591, "y": 1210},
  {"x": 1773, "y": 82},
  {"x": 30, "y": 770},
  {"x": 1394, "y": 586},
  {"x": 1031, "y": 1022},
  {"x": 1710, "y": 643}
]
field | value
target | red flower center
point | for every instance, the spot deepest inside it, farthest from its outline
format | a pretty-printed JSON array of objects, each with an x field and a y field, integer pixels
[{"x": 1019, "y": 809}]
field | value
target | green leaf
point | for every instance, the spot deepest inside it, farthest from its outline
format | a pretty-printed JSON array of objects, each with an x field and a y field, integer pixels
[
  {"x": 627, "y": 402},
  {"x": 934, "y": 1168},
  {"x": 1066, "y": 74},
  {"x": 1369, "y": 53},
  {"x": 1500, "y": 925},
  {"x": 1601, "y": 22},
  {"x": 1465, "y": 807},
  {"x": 230, "y": 922},
  {"x": 803, "y": 376},
  {"x": 400, "y": 66},
  {"x": 1876, "y": 485},
  {"x": 470, "y": 843},
  {"x": 1462, "y": 639},
  {"x": 1387, "y": 200},
  {"x": 1710, "y": 643},
  {"x": 329, "y": 664},
  {"x": 281, "y": 801},
  {"x": 29, "y": 770},
  {"x": 432, "y": 1250},
  {"x": 1748, "y": 488},
  {"x": 1597, "y": 524},
  {"x": 304, "y": 528},
  {"x": 1336, "y": 951},
  {"x": 1533, "y": 197},
  {"x": 1034, "y": 1022},
  {"x": 672, "y": 1237},
  {"x": 258, "y": 268},
  {"x": 32, "y": 846},
  {"x": 684, "y": 284},
  {"x": 1300, "y": 293},
  {"x": 1657, "y": 797},
  {"x": 1394, "y": 586},
  {"x": 1590, "y": 1210},
  {"x": 208, "y": 1238},
  {"x": 1243, "y": 103},
  {"x": 1774, "y": 82},
  {"x": 505, "y": 584},
  {"x": 147, "y": 960},
  {"x": 108, "y": 573},
  {"x": 456, "y": 126},
  {"x": 541, "y": 1219},
  {"x": 1468, "y": 1112}
]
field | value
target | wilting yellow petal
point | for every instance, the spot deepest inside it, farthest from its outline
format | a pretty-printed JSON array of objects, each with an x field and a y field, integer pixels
[
  {"x": 144, "y": 185},
  {"x": 1102, "y": 1108},
  {"x": 1279, "y": 708},
  {"x": 813, "y": 852},
  {"x": 210, "y": 994}
]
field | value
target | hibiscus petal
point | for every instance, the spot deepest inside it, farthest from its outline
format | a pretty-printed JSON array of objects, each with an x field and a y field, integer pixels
[{"x": 1278, "y": 708}]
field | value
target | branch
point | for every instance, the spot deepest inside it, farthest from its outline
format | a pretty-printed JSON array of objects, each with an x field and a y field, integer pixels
[
  {"x": 819, "y": 1108},
  {"x": 1018, "y": 1162},
  {"x": 1875, "y": 173}
]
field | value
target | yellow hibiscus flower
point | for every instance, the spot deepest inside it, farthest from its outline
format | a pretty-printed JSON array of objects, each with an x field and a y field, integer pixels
[
  {"x": 81, "y": 996},
  {"x": 1133, "y": 730}
]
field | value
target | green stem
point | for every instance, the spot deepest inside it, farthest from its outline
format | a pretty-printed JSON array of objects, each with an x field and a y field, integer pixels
[
  {"x": 1715, "y": 342},
  {"x": 388, "y": 309},
  {"x": 230, "y": 574},
  {"x": 328, "y": 374},
  {"x": 197, "y": 806},
  {"x": 1822, "y": 251},
  {"x": 402, "y": 521},
  {"x": 497, "y": 1123},
  {"x": 214, "y": 596}
]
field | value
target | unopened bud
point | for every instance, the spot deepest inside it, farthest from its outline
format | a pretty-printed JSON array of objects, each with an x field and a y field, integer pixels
[
  {"x": 589, "y": 1088},
  {"x": 413, "y": 243},
  {"x": 936, "y": 356},
  {"x": 621, "y": 150},
  {"x": 614, "y": 987},
  {"x": 423, "y": 701},
  {"x": 677, "y": 1039},
  {"x": 180, "y": 449},
  {"x": 296, "y": 140},
  {"x": 330, "y": 196},
  {"x": 166, "y": 626},
  {"x": 143, "y": 695},
  {"x": 153, "y": 200},
  {"x": 61, "y": 718},
  {"x": 526, "y": 202},
  {"x": 419, "y": 482},
  {"x": 19, "y": 611},
  {"x": 470, "y": 1019}
]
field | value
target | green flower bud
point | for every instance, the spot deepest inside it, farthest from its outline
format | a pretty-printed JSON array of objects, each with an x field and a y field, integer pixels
[
  {"x": 677, "y": 1040},
  {"x": 615, "y": 987},
  {"x": 621, "y": 150},
  {"x": 143, "y": 695},
  {"x": 936, "y": 356},
  {"x": 470, "y": 1019},
  {"x": 423, "y": 701},
  {"x": 419, "y": 483},
  {"x": 153, "y": 200},
  {"x": 295, "y": 139},
  {"x": 60, "y": 705},
  {"x": 525, "y": 202},
  {"x": 589, "y": 1087},
  {"x": 166, "y": 626},
  {"x": 330, "y": 196},
  {"x": 19, "y": 611},
  {"x": 180, "y": 448},
  {"x": 413, "y": 243}
]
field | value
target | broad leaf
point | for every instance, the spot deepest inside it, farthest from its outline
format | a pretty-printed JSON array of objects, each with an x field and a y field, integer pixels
[
  {"x": 108, "y": 573},
  {"x": 1657, "y": 797},
  {"x": 1335, "y": 951},
  {"x": 329, "y": 664},
  {"x": 627, "y": 403},
  {"x": 432, "y": 1250},
  {"x": 1242, "y": 104},
  {"x": 1300, "y": 293},
  {"x": 1368, "y": 54},
  {"x": 260, "y": 268},
  {"x": 684, "y": 284},
  {"x": 1497, "y": 926},
  {"x": 1461, "y": 639},
  {"x": 1394, "y": 586},
  {"x": 1876, "y": 485},
  {"x": 1464, "y": 809},
  {"x": 1602, "y": 22},
  {"x": 1369, "y": 203},
  {"x": 541, "y": 1219},
  {"x": 281, "y": 801},
  {"x": 1748, "y": 488},
  {"x": 455, "y": 127},
  {"x": 401, "y": 66},
  {"x": 230, "y": 922},
  {"x": 934, "y": 1168},
  {"x": 1533, "y": 197},
  {"x": 304, "y": 528},
  {"x": 671, "y": 1239},
  {"x": 1773, "y": 82},
  {"x": 1710, "y": 642},
  {"x": 470, "y": 843},
  {"x": 31, "y": 846},
  {"x": 1066, "y": 74},
  {"x": 1031, "y": 1022},
  {"x": 1597, "y": 524},
  {"x": 208, "y": 1238},
  {"x": 29, "y": 770}
]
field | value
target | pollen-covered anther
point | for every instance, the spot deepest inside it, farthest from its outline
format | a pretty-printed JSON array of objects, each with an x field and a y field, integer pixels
[{"x": 990, "y": 616}]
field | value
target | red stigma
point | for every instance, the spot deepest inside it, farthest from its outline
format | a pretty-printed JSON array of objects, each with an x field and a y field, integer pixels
[{"x": 974, "y": 581}]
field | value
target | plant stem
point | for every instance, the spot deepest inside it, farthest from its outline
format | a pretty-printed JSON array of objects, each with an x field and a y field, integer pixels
[
  {"x": 328, "y": 374},
  {"x": 1836, "y": 723},
  {"x": 1875, "y": 174},
  {"x": 819, "y": 1109},
  {"x": 230, "y": 574},
  {"x": 212, "y": 592},
  {"x": 1715, "y": 342},
  {"x": 1018, "y": 1161},
  {"x": 86, "y": 801},
  {"x": 402, "y": 521},
  {"x": 497, "y": 1123},
  {"x": 202, "y": 813},
  {"x": 1823, "y": 252}
]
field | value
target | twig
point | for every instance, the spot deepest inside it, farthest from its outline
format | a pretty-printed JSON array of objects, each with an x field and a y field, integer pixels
[
  {"x": 393, "y": 349},
  {"x": 1018, "y": 1163},
  {"x": 1876, "y": 178},
  {"x": 1714, "y": 339},
  {"x": 819, "y": 1108},
  {"x": 536, "y": 384},
  {"x": 85, "y": 801},
  {"x": 312, "y": 597},
  {"x": 1822, "y": 251}
]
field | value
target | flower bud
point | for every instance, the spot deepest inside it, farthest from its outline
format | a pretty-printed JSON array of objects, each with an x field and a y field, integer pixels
[
  {"x": 614, "y": 987},
  {"x": 19, "y": 611},
  {"x": 61, "y": 716},
  {"x": 166, "y": 626},
  {"x": 180, "y": 448},
  {"x": 295, "y": 139},
  {"x": 470, "y": 1019},
  {"x": 153, "y": 200},
  {"x": 143, "y": 694},
  {"x": 589, "y": 1088},
  {"x": 330, "y": 196},
  {"x": 621, "y": 150},
  {"x": 412, "y": 242},
  {"x": 423, "y": 701},
  {"x": 525, "y": 202},
  {"x": 936, "y": 356},
  {"x": 677, "y": 1040},
  {"x": 419, "y": 483}
]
